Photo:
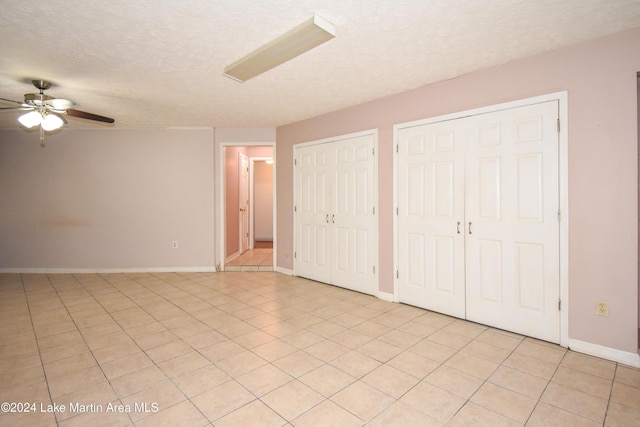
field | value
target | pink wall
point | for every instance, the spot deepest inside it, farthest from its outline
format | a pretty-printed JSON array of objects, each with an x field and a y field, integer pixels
[{"x": 600, "y": 78}]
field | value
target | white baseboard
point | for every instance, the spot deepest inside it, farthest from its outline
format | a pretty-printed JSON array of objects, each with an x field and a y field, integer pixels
[
  {"x": 282, "y": 270},
  {"x": 625, "y": 357},
  {"x": 386, "y": 296},
  {"x": 206, "y": 269},
  {"x": 231, "y": 257}
]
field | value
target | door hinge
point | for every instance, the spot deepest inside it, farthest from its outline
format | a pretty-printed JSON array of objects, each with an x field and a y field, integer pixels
[
  {"x": 374, "y": 210},
  {"x": 559, "y": 305},
  {"x": 374, "y": 269},
  {"x": 295, "y": 209},
  {"x": 295, "y": 255},
  {"x": 397, "y": 148},
  {"x": 559, "y": 216},
  {"x": 397, "y": 274},
  {"x": 295, "y": 162},
  {"x": 397, "y": 211},
  {"x": 373, "y": 151},
  {"x": 558, "y": 125}
]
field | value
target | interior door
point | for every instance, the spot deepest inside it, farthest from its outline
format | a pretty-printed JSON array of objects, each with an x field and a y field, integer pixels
[
  {"x": 313, "y": 212},
  {"x": 512, "y": 221},
  {"x": 353, "y": 219},
  {"x": 243, "y": 201},
  {"x": 431, "y": 217}
]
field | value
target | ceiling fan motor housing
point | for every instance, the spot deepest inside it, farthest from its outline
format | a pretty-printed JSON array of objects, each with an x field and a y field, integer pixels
[
  {"x": 41, "y": 84},
  {"x": 36, "y": 98}
]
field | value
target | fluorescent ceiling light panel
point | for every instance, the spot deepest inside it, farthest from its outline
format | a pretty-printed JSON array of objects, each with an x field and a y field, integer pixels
[{"x": 294, "y": 42}]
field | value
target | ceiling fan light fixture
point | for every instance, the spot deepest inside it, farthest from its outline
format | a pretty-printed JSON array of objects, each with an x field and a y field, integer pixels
[
  {"x": 311, "y": 33},
  {"x": 31, "y": 119},
  {"x": 51, "y": 122},
  {"x": 58, "y": 103}
]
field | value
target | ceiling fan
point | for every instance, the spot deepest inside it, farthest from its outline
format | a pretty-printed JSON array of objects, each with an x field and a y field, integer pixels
[{"x": 47, "y": 111}]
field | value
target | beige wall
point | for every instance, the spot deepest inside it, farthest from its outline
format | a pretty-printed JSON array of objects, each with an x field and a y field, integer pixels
[
  {"x": 107, "y": 199},
  {"x": 600, "y": 78}
]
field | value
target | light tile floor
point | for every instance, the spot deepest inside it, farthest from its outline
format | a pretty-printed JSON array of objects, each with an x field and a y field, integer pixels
[
  {"x": 249, "y": 349},
  {"x": 257, "y": 259}
]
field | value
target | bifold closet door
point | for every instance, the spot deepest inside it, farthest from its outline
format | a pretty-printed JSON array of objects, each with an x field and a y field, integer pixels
[
  {"x": 334, "y": 210},
  {"x": 478, "y": 230}
]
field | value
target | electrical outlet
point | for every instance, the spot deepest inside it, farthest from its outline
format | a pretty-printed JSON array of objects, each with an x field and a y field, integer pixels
[
  {"x": 174, "y": 244},
  {"x": 602, "y": 308}
]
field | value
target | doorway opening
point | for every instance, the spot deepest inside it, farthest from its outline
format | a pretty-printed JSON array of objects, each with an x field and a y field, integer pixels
[{"x": 247, "y": 206}]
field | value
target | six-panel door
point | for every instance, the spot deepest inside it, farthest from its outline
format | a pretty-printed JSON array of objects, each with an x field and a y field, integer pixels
[
  {"x": 334, "y": 212},
  {"x": 513, "y": 260},
  {"x": 478, "y": 229},
  {"x": 431, "y": 218}
]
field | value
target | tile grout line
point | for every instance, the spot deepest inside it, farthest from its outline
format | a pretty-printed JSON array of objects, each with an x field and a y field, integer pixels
[
  {"x": 298, "y": 309},
  {"x": 187, "y": 398},
  {"x": 35, "y": 335},
  {"x": 98, "y": 364}
]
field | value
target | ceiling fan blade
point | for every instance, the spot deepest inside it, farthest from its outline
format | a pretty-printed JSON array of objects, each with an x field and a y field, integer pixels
[
  {"x": 12, "y": 101},
  {"x": 16, "y": 108},
  {"x": 89, "y": 116}
]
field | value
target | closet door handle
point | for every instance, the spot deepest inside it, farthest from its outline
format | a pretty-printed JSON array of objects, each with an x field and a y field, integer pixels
[
  {"x": 333, "y": 218},
  {"x": 327, "y": 219},
  {"x": 458, "y": 227},
  {"x": 470, "y": 232}
]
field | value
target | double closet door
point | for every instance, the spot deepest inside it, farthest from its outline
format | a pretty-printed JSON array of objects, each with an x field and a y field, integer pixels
[
  {"x": 478, "y": 218},
  {"x": 334, "y": 212}
]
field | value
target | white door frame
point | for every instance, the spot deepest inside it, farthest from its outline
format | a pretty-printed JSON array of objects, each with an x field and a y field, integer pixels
[
  {"x": 220, "y": 189},
  {"x": 563, "y": 174},
  {"x": 244, "y": 189}
]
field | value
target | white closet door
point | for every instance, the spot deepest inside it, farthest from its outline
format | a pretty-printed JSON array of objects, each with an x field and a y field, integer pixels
[
  {"x": 313, "y": 169},
  {"x": 431, "y": 217},
  {"x": 512, "y": 263},
  {"x": 335, "y": 198},
  {"x": 353, "y": 218},
  {"x": 497, "y": 175}
]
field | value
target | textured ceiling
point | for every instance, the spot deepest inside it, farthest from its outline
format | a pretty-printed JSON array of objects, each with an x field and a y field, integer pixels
[{"x": 160, "y": 62}]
